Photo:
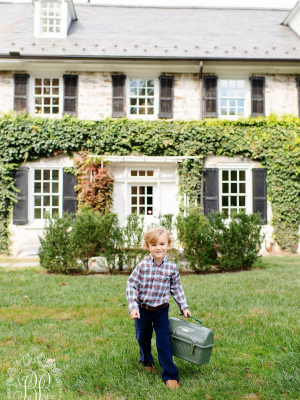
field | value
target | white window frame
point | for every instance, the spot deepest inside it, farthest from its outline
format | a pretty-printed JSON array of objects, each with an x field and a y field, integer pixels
[
  {"x": 247, "y": 97},
  {"x": 249, "y": 187},
  {"x": 51, "y": 34},
  {"x": 156, "y": 97},
  {"x": 32, "y": 94},
  {"x": 32, "y": 167}
]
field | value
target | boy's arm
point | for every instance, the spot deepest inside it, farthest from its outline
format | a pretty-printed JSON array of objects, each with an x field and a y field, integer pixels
[
  {"x": 132, "y": 290},
  {"x": 176, "y": 291}
]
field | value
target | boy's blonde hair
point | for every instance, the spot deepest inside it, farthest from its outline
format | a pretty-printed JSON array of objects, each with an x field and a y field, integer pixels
[{"x": 152, "y": 235}]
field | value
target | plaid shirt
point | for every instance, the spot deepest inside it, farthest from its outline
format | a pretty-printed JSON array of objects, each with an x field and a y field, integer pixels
[{"x": 152, "y": 283}]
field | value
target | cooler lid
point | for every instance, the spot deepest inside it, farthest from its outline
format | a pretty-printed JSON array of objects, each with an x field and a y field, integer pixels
[{"x": 192, "y": 333}]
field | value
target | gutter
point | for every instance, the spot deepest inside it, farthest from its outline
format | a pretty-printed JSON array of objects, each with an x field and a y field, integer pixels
[{"x": 130, "y": 58}]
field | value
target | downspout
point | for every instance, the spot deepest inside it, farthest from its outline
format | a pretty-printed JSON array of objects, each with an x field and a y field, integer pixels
[{"x": 201, "y": 118}]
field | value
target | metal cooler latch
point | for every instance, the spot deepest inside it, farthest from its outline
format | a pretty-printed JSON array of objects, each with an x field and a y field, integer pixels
[{"x": 192, "y": 346}]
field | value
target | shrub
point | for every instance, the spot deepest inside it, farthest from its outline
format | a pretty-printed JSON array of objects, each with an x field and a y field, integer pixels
[
  {"x": 196, "y": 236},
  {"x": 56, "y": 250},
  {"x": 133, "y": 237},
  {"x": 237, "y": 241}
]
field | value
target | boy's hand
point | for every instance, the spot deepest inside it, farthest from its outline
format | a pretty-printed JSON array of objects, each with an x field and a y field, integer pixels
[
  {"x": 134, "y": 314},
  {"x": 186, "y": 312}
]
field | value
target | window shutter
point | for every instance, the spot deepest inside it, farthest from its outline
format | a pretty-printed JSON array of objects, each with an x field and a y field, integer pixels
[
  {"x": 166, "y": 96},
  {"x": 211, "y": 190},
  {"x": 70, "y": 94},
  {"x": 259, "y": 176},
  {"x": 210, "y": 96},
  {"x": 20, "y": 208},
  {"x": 118, "y": 99},
  {"x": 257, "y": 96},
  {"x": 69, "y": 194},
  {"x": 20, "y": 95},
  {"x": 298, "y": 87}
]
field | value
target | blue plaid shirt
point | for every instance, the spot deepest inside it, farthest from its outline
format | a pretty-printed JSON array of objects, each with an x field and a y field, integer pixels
[{"x": 151, "y": 283}]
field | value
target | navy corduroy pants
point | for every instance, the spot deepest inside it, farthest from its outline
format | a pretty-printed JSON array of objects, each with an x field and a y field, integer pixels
[{"x": 159, "y": 321}]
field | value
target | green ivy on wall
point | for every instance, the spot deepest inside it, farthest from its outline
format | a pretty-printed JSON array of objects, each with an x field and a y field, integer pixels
[{"x": 273, "y": 141}]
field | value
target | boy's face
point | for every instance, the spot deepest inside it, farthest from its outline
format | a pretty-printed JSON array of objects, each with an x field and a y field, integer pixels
[{"x": 159, "y": 249}]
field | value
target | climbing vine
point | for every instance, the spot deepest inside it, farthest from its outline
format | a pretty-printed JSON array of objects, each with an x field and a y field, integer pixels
[{"x": 273, "y": 141}]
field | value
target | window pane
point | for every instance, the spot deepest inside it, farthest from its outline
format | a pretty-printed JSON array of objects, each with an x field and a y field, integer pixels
[
  {"x": 133, "y": 210},
  {"x": 232, "y": 84},
  {"x": 142, "y": 190},
  {"x": 224, "y": 201},
  {"x": 242, "y": 201},
  {"x": 225, "y": 176},
  {"x": 150, "y": 92},
  {"x": 242, "y": 187},
  {"x": 55, "y": 187},
  {"x": 225, "y": 212},
  {"x": 37, "y": 213},
  {"x": 234, "y": 175},
  {"x": 55, "y": 201},
  {"x": 37, "y": 174},
  {"x": 149, "y": 190},
  {"x": 150, "y": 83},
  {"x": 142, "y": 92},
  {"x": 47, "y": 100},
  {"x": 38, "y": 82},
  {"x": 240, "y": 112},
  {"x": 149, "y": 210},
  {"x": 233, "y": 201},
  {"x": 55, "y": 91},
  {"x": 142, "y": 83},
  {"x": 242, "y": 175},
  {"x": 133, "y": 83},
  {"x": 46, "y": 187},
  {"x": 133, "y": 110},
  {"x": 232, "y": 111},
  {"x": 55, "y": 174},
  {"x": 37, "y": 201},
  {"x": 240, "y": 93},
  {"x": 47, "y": 82},
  {"x": 38, "y": 90},
  {"x": 142, "y": 200},
  {"x": 46, "y": 201},
  {"x": 240, "y": 84},
  {"x": 225, "y": 188},
  {"x": 55, "y": 110},
  {"x": 47, "y": 110},
  {"x": 142, "y": 110},
  {"x": 134, "y": 173},
  {"x": 133, "y": 92},
  {"x": 142, "y": 102},
  {"x": 142, "y": 173},
  {"x": 232, "y": 103},
  {"x": 224, "y": 92},
  {"x": 224, "y": 84},
  {"x": 150, "y": 201},
  {"x": 133, "y": 189},
  {"x": 149, "y": 173},
  {"x": 223, "y": 111},
  {"x": 134, "y": 200},
  {"x": 39, "y": 101},
  {"x": 150, "y": 110},
  {"x": 223, "y": 103},
  {"x": 240, "y": 103},
  {"x": 133, "y": 102},
  {"x": 150, "y": 102},
  {"x": 37, "y": 187},
  {"x": 233, "y": 187},
  {"x": 142, "y": 210},
  {"x": 55, "y": 82}
]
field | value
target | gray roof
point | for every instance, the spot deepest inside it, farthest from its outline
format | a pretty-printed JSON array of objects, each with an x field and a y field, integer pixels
[{"x": 149, "y": 32}]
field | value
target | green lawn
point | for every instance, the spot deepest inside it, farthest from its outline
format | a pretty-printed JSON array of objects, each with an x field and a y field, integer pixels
[{"x": 85, "y": 327}]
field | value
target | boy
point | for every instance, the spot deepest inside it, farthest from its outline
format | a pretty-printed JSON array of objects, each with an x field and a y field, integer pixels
[{"x": 147, "y": 293}]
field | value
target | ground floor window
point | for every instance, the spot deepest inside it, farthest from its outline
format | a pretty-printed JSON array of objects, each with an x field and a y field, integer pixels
[
  {"x": 233, "y": 191},
  {"x": 142, "y": 200},
  {"x": 46, "y": 192}
]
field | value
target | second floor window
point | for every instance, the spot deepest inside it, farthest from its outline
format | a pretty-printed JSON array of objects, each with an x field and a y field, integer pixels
[
  {"x": 51, "y": 17},
  {"x": 232, "y": 98},
  {"x": 46, "y": 96},
  {"x": 141, "y": 96}
]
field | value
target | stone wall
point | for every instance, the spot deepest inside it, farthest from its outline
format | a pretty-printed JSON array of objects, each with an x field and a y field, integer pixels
[
  {"x": 94, "y": 95},
  {"x": 7, "y": 91},
  {"x": 281, "y": 95},
  {"x": 186, "y": 96}
]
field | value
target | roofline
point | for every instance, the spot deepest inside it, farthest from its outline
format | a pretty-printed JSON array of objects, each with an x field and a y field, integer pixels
[
  {"x": 294, "y": 11},
  {"x": 154, "y": 58}
]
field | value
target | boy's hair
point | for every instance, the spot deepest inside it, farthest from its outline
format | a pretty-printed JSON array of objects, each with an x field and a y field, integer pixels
[{"x": 152, "y": 236}]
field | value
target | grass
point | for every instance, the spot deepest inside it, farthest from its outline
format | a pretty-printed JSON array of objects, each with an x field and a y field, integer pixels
[{"x": 85, "y": 327}]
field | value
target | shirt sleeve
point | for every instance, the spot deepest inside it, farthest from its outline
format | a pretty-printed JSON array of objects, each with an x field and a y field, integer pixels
[
  {"x": 132, "y": 289},
  {"x": 176, "y": 290}
]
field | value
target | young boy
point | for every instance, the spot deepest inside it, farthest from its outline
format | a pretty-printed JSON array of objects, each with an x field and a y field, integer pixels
[{"x": 147, "y": 293}]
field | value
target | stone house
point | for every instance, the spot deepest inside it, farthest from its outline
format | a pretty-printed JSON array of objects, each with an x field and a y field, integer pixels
[{"x": 63, "y": 56}]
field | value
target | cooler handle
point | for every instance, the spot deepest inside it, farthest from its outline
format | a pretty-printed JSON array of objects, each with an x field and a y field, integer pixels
[{"x": 189, "y": 316}]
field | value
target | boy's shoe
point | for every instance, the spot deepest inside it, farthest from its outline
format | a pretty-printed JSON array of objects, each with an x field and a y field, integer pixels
[
  {"x": 148, "y": 367},
  {"x": 172, "y": 384}
]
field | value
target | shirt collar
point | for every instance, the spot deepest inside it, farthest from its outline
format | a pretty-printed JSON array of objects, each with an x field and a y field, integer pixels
[{"x": 155, "y": 262}]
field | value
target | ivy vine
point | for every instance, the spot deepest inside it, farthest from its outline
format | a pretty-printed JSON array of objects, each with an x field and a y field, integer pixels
[{"x": 273, "y": 141}]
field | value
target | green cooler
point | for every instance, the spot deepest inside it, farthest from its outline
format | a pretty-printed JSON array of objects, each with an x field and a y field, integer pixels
[{"x": 189, "y": 341}]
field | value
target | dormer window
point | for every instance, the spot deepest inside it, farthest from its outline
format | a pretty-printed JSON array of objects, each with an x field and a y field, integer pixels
[{"x": 51, "y": 17}]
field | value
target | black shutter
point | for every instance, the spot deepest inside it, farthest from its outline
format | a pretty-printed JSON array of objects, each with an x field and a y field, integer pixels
[
  {"x": 298, "y": 88},
  {"x": 210, "y": 97},
  {"x": 70, "y": 94},
  {"x": 20, "y": 93},
  {"x": 69, "y": 194},
  {"x": 257, "y": 96},
  {"x": 211, "y": 190},
  {"x": 118, "y": 96},
  {"x": 260, "y": 192},
  {"x": 20, "y": 208},
  {"x": 166, "y": 96}
]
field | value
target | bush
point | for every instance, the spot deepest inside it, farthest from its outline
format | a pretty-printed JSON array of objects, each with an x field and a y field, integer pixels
[
  {"x": 133, "y": 237},
  {"x": 237, "y": 241},
  {"x": 196, "y": 236},
  {"x": 56, "y": 250}
]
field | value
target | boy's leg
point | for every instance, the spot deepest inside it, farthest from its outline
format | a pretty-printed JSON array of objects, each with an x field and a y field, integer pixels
[
  {"x": 161, "y": 327},
  {"x": 144, "y": 329}
]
